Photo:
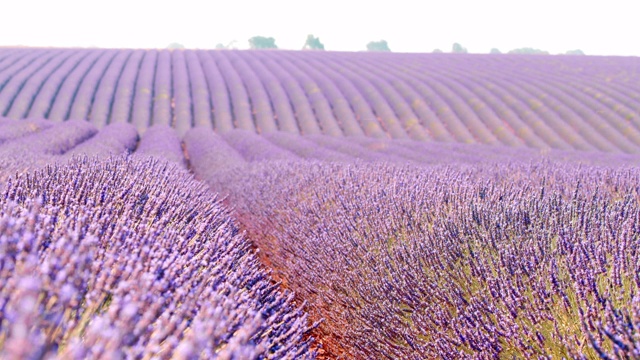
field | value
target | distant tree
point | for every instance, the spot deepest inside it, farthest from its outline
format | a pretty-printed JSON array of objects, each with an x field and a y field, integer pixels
[
  {"x": 313, "y": 43},
  {"x": 528, "y": 50},
  {"x": 261, "y": 42},
  {"x": 230, "y": 45},
  {"x": 575, "y": 52},
  {"x": 380, "y": 45},
  {"x": 175, "y": 45},
  {"x": 495, "y": 51},
  {"x": 437, "y": 51},
  {"x": 458, "y": 49}
]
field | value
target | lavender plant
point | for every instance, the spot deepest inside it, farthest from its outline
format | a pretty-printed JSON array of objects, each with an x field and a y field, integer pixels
[
  {"x": 132, "y": 258},
  {"x": 113, "y": 139},
  {"x": 87, "y": 90},
  {"x": 161, "y": 141},
  {"x": 13, "y": 129},
  {"x": 254, "y": 147},
  {"x": 181, "y": 100},
  {"x": 209, "y": 154},
  {"x": 143, "y": 97},
  {"x": 48, "y": 88},
  {"x": 122, "y": 103},
  {"x": 219, "y": 95},
  {"x": 520, "y": 260},
  {"x": 59, "y": 108}
]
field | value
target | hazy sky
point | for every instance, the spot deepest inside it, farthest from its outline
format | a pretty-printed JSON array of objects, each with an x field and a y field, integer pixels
[{"x": 597, "y": 28}]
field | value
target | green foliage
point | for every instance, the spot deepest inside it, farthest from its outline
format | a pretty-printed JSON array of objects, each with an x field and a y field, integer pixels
[
  {"x": 313, "y": 43},
  {"x": 528, "y": 50},
  {"x": 458, "y": 49},
  {"x": 495, "y": 51},
  {"x": 175, "y": 45},
  {"x": 230, "y": 45},
  {"x": 575, "y": 52},
  {"x": 380, "y": 45},
  {"x": 437, "y": 51},
  {"x": 261, "y": 42}
]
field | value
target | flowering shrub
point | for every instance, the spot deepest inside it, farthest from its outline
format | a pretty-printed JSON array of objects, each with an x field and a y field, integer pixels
[
  {"x": 12, "y": 129},
  {"x": 162, "y": 142},
  {"x": 394, "y": 248},
  {"x": 536, "y": 260},
  {"x": 133, "y": 258}
]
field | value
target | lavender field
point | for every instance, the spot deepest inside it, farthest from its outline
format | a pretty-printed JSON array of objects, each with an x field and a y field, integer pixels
[
  {"x": 289, "y": 205},
  {"x": 545, "y": 102}
]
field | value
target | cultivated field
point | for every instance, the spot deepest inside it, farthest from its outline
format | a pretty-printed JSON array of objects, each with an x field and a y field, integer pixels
[
  {"x": 563, "y": 102},
  {"x": 286, "y": 205}
]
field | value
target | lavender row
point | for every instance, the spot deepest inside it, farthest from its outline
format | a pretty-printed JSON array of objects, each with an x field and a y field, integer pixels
[
  {"x": 515, "y": 260},
  {"x": 236, "y": 147},
  {"x": 42, "y": 90},
  {"x": 122, "y": 98},
  {"x": 16, "y": 80},
  {"x": 126, "y": 258},
  {"x": 181, "y": 100},
  {"x": 261, "y": 108},
  {"x": 102, "y": 104},
  {"x": 143, "y": 96},
  {"x": 81, "y": 107},
  {"x": 208, "y": 154},
  {"x": 162, "y": 92},
  {"x": 14, "y": 129},
  {"x": 219, "y": 94},
  {"x": 161, "y": 142},
  {"x": 241, "y": 107},
  {"x": 114, "y": 139},
  {"x": 284, "y": 104},
  {"x": 59, "y": 108},
  {"x": 503, "y": 100},
  {"x": 202, "y": 108}
]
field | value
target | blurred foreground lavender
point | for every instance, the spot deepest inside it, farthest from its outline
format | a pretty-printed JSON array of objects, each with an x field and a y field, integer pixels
[{"x": 125, "y": 257}]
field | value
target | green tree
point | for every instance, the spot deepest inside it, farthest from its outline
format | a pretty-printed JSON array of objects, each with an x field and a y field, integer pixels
[
  {"x": 261, "y": 42},
  {"x": 313, "y": 43},
  {"x": 380, "y": 45},
  {"x": 437, "y": 51},
  {"x": 495, "y": 51},
  {"x": 175, "y": 45},
  {"x": 575, "y": 52},
  {"x": 230, "y": 45},
  {"x": 458, "y": 49},
  {"x": 528, "y": 50}
]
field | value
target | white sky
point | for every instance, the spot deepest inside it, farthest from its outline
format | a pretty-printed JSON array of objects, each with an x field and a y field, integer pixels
[{"x": 609, "y": 27}]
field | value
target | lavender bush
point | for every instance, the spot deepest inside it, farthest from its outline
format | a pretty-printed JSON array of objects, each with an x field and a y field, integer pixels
[
  {"x": 163, "y": 142},
  {"x": 114, "y": 139},
  {"x": 181, "y": 100},
  {"x": 209, "y": 154},
  {"x": 141, "y": 103},
  {"x": 102, "y": 102},
  {"x": 89, "y": 86},
  {"x": 132, "y": 258},
  {"x": 47, "y": 90},
  {"x": 581, "y": 103},
  {"x": 58, "y": 109},
  {"x": 254, "y": 147},
  {"x": 521, "y": 260},
  {"x": 13, "y": 129},
  {"x": 122, "y": 102}
]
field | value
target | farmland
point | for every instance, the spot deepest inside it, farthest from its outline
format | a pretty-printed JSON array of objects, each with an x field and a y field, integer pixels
[
  {"x": 559, "y": 102},
  {"x": 306, "y": 204}
]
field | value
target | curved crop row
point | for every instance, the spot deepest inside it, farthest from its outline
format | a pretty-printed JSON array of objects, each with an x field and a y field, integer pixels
[{"x": 558, "y": 102}]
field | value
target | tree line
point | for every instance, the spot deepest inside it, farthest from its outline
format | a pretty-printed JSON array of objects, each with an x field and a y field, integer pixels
[{"x": 313, "y": 43}]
